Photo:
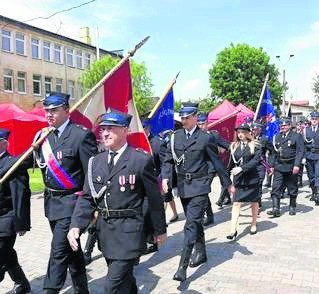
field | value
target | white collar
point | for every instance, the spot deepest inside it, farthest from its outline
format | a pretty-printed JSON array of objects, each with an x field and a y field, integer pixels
[
  {"x": 119, "y": 152},
  {"x": 191, "y": 131},
  {"x": 62, "y": 127}
]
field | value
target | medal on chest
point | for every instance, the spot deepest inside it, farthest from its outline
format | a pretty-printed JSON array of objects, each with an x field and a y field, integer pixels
[
  {"x": 289, "y": 143},
  {"x": 131, "y": 180},
  {"x": 59, "y": 156},
  {"x": 122, "y": 183}
]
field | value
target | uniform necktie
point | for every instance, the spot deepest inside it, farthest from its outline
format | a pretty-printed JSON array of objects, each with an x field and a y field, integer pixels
[
  {"x": 243, "y": 145},
  {"x": 111, "y": 161},
  {"x": 188, "y": 135},
  {"x": 56, "y": 135}
]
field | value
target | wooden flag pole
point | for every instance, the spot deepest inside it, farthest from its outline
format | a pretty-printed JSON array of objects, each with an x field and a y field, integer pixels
[
  {"x": 261, "y": 96},
  {"x": 47, "y": 131},
  {"x": 160, "y": 101}
]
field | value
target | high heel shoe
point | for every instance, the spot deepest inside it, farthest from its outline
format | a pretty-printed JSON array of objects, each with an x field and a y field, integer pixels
[
  {"x": 232, "y": 236},
  {"x": 253, "y": 231}
]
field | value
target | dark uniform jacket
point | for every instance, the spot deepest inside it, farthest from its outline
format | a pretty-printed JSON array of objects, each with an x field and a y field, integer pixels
[
  {"x": 311, "y": 143},
  {"x": 75, "y": 147},
  {"x": 14, "y": 199},
  {"x": 193, "y": 170},
  {"x": 219, "y": 141},
  {"x": 289, "y": 151},
  {"x": 156, "y": 142},
  {"x": 121, "y": 238},
  {"x": 249, "y": 162},
  {"x": 265, "y": 145}
]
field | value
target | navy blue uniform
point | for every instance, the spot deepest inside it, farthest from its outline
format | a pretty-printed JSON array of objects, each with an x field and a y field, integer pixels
[
  {"x": 14, "y": 217},
  {"x": 119, "y": 194},
  {"x": 73, "y": 149},
  {"x": 193, "y": 177},
  {"x": 289, "y": 151},
  {"x": 311, "y": 137}
]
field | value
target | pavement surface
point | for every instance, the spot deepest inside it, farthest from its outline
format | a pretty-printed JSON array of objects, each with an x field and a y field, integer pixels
[{"x": 283, "y": 257}]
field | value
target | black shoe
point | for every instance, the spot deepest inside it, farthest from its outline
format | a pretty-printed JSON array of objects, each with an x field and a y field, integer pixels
[
  {"x": 226, "y": 201},
  {"x": 219, "y": 203},
  {"x": 312, "y": 197},
  {"x": 174, "y": 219},
  {"x": 208, "y": 220},
  {"x": 292, "y": 210},
  {"x": 274, "y": 213},
  {"x": 21, "y": 283},
  {"x": 232, "y": 236},
  {"x": 180, "y": 275},
  {"x": 253, "y": 232},
  {"x": 199, "y": 255},
  {"x": 150, "y": 248}
]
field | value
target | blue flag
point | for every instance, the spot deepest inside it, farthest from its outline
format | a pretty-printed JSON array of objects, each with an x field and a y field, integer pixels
[
  {"x": 163, "y": 118},
  {"x": 267, "y": 114}
]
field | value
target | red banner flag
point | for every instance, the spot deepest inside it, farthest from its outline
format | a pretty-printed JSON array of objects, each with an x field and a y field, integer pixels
[{"x": 115, "y": 93}]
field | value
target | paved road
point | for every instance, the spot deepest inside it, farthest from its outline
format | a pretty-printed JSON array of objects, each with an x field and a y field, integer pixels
[{"x": 283, "y": 257}]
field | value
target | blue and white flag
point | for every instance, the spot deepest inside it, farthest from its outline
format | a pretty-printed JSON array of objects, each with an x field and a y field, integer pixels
[
  {"x": 267, "y": 114},
  {"x": 163, "y": 118}
]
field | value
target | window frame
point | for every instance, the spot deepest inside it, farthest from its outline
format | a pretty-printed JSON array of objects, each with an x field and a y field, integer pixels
[
  {"x": 72, "y": 95},
  {"x": 40, "y": 84},
  {"x": 46, "y": 50},
  {"x": 17, "y": 39},
  {"x": 9, "y": 37},
  {"x": 60, "y": 53},
  {"x": 60, "y": 84},
  {"x": 38, "y": 48},
  {"x": 24, "y": 79},
  {"x": 69, "y": 54},
  {"x": 6, "y": 76}
]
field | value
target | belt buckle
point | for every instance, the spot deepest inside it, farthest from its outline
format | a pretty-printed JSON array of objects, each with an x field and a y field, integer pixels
[{"x": 188, "y": 176}]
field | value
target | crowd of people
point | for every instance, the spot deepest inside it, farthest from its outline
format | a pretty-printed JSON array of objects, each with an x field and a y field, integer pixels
[{"x": 119, "y": 195}]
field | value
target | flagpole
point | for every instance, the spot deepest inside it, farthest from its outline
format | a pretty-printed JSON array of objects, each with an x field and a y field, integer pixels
[
  {"x": 109, "y": 74},
  {"x": 36, "y": 144},
  {"x": 261, "y": 96},
  {"x": 160, "y": 101}
]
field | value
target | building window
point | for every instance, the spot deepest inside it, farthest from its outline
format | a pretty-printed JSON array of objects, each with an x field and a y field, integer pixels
[
  {"x": 47, "y": 84},
  {"x": 35, "y": 48},
  {"x": 71, "y": 88},
  {"x": 8, "y": 80},
  {"x": 19, "y": 43},
  {"x": 58, "y": 85},
  {"x": 69, "y": 57},
  {"x": 6, "y": 40},
  {"x": 79, "y": 59},
  {"x": 57, "y": 54},
  {"x": 87, "y": 60},
  {"x": 36, "y": 84},
  {"x": 21, "y": 82},
  {"x": 81, "y": 92},
  {"x": 46, "y": 51}
]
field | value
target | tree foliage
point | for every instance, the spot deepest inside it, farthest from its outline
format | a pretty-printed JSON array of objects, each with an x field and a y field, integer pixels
[
  {"x": 315, "y": 89},
  {"x": 239, "y": 73},
  {"x": 142, "y": 84}
]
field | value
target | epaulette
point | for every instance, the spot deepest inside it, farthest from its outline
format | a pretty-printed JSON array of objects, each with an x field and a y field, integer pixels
[
  {"x": 81, "y": 127},
  {"x": 141, "y": 150}
]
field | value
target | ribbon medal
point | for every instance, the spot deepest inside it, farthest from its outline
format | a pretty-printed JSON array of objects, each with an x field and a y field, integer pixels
[
  {"x": 59, "y": 156},
  {"x": 131, "y": 180},
  {"x": 122, "y": 183}
]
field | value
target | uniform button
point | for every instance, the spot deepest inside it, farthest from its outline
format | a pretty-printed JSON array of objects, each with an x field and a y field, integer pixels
[
  {"x": 108, "y": 182},
  {"x": 108, "y": 194}
]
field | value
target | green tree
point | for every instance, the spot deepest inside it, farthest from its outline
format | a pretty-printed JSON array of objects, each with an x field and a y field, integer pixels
[
  {"x": 239, "y": 73},
  {"x": 142, "y": 84},
  {"x": 315, "y": 89}
]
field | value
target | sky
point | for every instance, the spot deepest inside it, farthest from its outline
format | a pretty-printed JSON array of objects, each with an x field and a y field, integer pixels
[{"x": 187, "y": 35}]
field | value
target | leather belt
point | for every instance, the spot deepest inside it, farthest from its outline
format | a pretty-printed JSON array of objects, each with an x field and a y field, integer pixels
[
  {"x": 285, "y": 160},
  {"x": 121, "y": 213},
  {"x": 314, "y": 150},
  {"x": 53, "y": 192},
  {"x": 190, "y": 176}
]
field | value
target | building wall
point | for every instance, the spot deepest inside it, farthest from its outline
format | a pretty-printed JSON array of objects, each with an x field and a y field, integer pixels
[{"x": 11, "y": 60}]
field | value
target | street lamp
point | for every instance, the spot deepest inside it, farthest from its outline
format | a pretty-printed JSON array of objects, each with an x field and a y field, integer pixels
[{"x": 284, "y": 80}]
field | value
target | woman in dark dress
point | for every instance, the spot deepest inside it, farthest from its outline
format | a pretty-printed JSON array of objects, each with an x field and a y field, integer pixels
[{"x": 245, "y": 158}]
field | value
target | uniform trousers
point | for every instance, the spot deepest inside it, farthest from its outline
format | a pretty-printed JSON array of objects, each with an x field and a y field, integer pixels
[
  {"x": 120, "y": 278},
  {"x": 284, "y": 179},
  {"x": 194, "y": 208},
  {"x": 62, "y": 257},
  {"x": 313, "y": 172},
  {"x": 8, "y": 256}
]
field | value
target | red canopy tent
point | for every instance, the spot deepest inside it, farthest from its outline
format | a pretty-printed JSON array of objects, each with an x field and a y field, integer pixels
[
  {"x": 244, "y": 113},
  {"x": 23, "y": 126},
  {"x": 37, "y": 111}
]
